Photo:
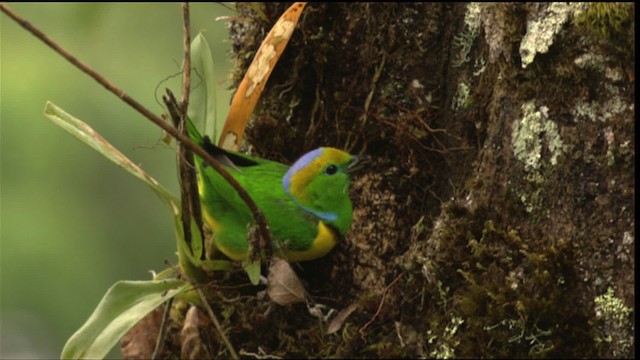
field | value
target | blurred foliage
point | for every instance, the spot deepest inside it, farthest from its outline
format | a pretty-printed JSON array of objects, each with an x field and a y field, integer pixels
[{"x": 72, "y": 223}]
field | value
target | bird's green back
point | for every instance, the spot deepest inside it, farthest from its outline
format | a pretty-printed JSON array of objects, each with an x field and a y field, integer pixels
[{"x": 293, "y": 229}]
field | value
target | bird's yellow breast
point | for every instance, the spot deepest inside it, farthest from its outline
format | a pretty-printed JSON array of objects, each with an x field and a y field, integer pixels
[
  {"x": 325, "y": 240},
  {"x": 322, "y": 244}
]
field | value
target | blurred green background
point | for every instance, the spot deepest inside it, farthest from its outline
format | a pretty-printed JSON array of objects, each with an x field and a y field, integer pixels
[{"x": 71, "y": 222}]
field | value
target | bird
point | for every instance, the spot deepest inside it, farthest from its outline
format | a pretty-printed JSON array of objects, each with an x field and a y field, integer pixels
[{"x": 306, "y": 206}]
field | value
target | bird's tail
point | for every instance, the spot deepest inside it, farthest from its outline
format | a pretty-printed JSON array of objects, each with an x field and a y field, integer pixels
[
  {"x": 224, "y": 157},
  {"x": 230, "y": 159}
]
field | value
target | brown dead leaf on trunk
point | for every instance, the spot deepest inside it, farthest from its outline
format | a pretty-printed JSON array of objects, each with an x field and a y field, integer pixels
[
  {"x": 140, "y": 342},
  {"x": 197, "y": 337},
  {"x": 284, "y": 286},
  {"x": 250, "y": 89}
]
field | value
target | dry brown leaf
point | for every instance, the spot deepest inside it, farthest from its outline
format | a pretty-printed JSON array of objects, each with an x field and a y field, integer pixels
[
  {"x": 140, "y": 341},
  {"x": 250, "y": 89},
  {"x": 337, "y": 321},
  {"x": 197, "y": 336},
  {"x": 284, "y": 286}
]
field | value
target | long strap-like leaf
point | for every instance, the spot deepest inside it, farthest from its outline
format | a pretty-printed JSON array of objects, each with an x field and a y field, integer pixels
[
  {"x": 249, "y": 90},
  {"x": 126, "y": 303}
]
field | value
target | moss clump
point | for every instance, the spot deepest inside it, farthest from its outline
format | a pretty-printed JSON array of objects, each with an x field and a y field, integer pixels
[
  {"x": 607, "y": 20},
  {"x": 613, "y": 25},
  {"x": 502, "y": 292},
  {"x": 614, "y": 329},
  {"x": 444, "y": 346},
  {"x": 461, "y": 100}
]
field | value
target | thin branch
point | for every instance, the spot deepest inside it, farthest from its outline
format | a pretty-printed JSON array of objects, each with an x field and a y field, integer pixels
[
  {"x": 163, "y": 329},
  {"x": 187, "y": 173},
  {"x": 190, "y": 204},
  {"x": 72, "y": 59},
  {"x": 186, "y": 79},
  {"x": 216, "y": 323},
  {"x": 384, "y": 294},
  {"x": 258, "y": 216}
]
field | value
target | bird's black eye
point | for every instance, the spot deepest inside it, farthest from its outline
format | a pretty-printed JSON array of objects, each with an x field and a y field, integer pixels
[{"x": 331, "y": 169}]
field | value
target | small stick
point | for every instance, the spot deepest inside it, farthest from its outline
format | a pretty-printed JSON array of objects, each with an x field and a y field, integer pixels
[
  {"x": 384, "y": 293},
  {"x": 194, "y": 201},
  {"x": 216, "y": 323},
  {"x": 186, "y": 79},
  {"x": 187, "y": 173},
  {"x": 162, "y": 330}
]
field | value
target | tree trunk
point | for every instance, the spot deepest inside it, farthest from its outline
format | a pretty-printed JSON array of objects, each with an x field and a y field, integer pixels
[{"x": 500, "y": 207}]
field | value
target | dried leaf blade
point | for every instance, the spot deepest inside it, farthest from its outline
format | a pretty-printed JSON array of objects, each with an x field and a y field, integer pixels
[{"x": 284, "y": 287}]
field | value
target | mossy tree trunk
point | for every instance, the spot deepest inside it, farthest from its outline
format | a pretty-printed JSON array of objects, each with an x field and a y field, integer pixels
[{"x": 499, "y": 209}]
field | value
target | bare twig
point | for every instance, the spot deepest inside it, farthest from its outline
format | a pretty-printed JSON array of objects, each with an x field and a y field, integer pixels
[
  {"x": 259, "y": 355},
  {"x": 187, "y": 173},
  {"x": 384, "y": 294},
  {"x": 365, "y": 113},
  {"x": 186, "y": 79},
  {"x": 162, "y": 330},
  {"x": 216, "y": 323},
  {"x": 258, "y": 216}
]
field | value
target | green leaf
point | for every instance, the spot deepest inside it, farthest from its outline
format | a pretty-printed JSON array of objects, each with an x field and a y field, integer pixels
[
  {"x": 202, "y": 99},
  {"x": 216, "y": 265},
  {"x": 87, "y": 135},
  {"x": 190, "y": 263},
  {"x": 189, "y": 259},
  {"x": 124, "y": 304},
  {"x": 252, "y": 268}
]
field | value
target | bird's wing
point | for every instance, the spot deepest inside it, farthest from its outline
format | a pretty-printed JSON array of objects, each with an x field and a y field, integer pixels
[
  {"x": 261, "y": 179},
  {"x": 258, "y": 177}
]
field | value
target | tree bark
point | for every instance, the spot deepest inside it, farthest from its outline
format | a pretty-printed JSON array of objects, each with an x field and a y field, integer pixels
[{"x": 500, "y": 207}]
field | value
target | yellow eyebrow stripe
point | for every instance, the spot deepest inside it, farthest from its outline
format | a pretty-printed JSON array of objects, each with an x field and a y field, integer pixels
[{"x": 303, "y": 177}]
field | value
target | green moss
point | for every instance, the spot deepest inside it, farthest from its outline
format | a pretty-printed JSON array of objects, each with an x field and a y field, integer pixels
[
  {"x": 500, "y": 298},
  {"x": 614, "y": 329},
  {"x": 607, "y": 20},
  {"x": 611, "y": 308},
  {"x": 461, "y": 100},
  {"x": 443, "y": 345},
  {"x": 490, "y": 290}
]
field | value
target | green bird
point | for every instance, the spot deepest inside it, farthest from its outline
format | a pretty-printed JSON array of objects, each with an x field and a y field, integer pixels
[{"x": 307, "y": 205}]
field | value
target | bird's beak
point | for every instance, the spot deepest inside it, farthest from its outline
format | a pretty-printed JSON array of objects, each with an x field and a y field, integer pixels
[{"x": 358, "y": 162}]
